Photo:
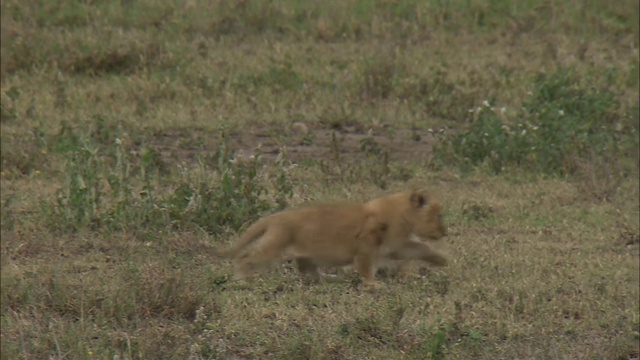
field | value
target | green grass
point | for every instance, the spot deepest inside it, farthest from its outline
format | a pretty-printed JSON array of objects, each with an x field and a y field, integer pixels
[{"x": 137, "y": 135}]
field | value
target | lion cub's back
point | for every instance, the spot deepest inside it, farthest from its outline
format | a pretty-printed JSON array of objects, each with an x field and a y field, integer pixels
[
  {"x": 324, "y": 228},
  {"x": 324, "y": 219}
]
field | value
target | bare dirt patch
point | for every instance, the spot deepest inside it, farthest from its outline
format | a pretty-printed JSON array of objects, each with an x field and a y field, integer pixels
[{"x": 350, "y": 143}]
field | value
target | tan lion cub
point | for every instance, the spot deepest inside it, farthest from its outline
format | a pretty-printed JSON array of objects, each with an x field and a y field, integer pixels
[{"x": 360, "y": 234}]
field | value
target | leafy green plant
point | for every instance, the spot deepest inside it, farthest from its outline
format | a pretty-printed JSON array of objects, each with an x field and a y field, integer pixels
[
  {"x": 78, "y": 204},
  {"x": 238, "y": 195},
  {"x": 216, "y": 208},
  {"x": 570, "y": 119},
  {"x": 108, "y": 189},
  {"x": 133, "y": 199},
  {"x": 563, "y": 120}
]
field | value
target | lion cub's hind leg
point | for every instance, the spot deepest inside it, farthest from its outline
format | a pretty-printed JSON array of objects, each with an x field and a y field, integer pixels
[
  {"x": 268, "y": 249},
  {"x": 416, "y": 250}
]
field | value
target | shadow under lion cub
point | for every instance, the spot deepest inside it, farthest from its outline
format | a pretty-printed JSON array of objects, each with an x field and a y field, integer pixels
[{"x": 392, "y": 227}]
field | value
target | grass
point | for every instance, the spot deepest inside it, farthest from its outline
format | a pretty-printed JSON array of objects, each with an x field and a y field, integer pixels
[{"x": 137, "y": 135}]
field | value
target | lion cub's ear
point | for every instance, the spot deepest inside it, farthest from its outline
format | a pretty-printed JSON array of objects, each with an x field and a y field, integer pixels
[{"x": 418, "y": 199}]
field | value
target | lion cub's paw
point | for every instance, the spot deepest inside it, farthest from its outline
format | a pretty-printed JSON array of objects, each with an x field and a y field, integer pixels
[
  {"x": 372, "y": 285},
  {"x": 410, "y": 274}
]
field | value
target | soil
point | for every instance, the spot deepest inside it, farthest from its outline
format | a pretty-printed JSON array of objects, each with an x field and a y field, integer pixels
[{"x": 300, "y": 144}]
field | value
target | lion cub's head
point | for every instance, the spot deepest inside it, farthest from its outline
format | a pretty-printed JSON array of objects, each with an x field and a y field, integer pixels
[{"x": 425, "y": 215}]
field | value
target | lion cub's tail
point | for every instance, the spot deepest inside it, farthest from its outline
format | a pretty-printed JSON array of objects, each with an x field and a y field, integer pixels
[{"x": 253, "y": 233}]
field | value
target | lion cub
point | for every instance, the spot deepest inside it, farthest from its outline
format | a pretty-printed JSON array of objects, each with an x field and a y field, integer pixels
[{"x": 357, "y": 234}]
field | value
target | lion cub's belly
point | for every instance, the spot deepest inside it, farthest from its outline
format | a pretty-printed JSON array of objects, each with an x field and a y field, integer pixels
[{"x": 334, "y": 252}]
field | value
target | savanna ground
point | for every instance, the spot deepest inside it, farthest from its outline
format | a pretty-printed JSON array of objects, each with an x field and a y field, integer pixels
[{"x": 137, "y": 135}]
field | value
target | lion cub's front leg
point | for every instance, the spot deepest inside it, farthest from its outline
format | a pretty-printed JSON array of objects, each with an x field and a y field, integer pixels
[
  {"x": 365, "y": 259},
  {"x": 364, "y": 264}
]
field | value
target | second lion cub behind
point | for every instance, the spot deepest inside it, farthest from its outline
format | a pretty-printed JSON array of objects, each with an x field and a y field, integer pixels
[{"x": 360, "y": 234}]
